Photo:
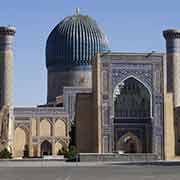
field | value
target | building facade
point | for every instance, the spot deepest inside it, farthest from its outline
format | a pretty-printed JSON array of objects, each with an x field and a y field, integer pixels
[
  {"x": 99, "y": 101},
  {"x": 39, "y": 131},
  {"x": 131, "y": 112}
]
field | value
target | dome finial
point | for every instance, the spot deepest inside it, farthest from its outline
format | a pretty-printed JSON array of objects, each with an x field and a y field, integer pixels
[{"x": 77, "y": 11}]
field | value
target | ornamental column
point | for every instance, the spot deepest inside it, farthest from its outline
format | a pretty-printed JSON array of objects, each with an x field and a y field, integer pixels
[
  {"x": 30, "y": 139},
  {"x": 6, "y": 64},
  {"x": 53, "y": 136},
  {"x": 38, "y": 120}
]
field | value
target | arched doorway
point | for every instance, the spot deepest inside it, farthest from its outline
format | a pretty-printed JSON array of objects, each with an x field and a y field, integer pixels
[
  {"x": 46, "y": 148},
  {"x": 132, "y": 114},
  {"x": 129, "y": 143}
]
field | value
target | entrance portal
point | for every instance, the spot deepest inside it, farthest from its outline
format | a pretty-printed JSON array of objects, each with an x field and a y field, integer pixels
[{"x": 132, "y": 117}]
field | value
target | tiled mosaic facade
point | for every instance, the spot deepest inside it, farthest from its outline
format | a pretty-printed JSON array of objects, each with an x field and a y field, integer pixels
[{"x": 115, "y": 68}]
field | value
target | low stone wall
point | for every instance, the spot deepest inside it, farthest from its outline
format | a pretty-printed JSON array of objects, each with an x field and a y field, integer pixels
[{"x": 86, "y": 157}]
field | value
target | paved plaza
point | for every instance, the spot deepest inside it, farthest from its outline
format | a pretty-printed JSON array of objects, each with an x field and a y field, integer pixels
[{"x": 99, "y": 172}]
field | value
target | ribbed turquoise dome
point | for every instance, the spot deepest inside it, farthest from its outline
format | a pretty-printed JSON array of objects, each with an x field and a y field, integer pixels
[{"x": 73, "y": 42}]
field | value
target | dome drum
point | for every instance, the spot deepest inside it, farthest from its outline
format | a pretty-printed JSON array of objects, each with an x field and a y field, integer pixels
[{"x": 73, "y": 78}]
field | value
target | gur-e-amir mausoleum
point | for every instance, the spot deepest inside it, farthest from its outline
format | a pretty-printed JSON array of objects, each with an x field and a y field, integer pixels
[{"x": 98, "y": 101}]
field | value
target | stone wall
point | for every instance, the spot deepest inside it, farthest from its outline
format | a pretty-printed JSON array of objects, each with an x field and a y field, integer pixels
[
  {"x": 88, "y": 114},
  {"x": 84, "y": 123}
]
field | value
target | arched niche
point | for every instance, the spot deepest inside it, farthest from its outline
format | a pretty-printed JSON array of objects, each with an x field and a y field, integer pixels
[
  {"x": 45, "y": 128},
  {"x": 132, "y": 99},
  {"x": 133, "y": 112},
  {"x": 20, "y": 141},
  {"x": 60, "y": 128}
]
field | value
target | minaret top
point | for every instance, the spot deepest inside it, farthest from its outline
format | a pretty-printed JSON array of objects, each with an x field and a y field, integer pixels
[
  {"x": 77, "y": 11},
  {"x": 171, "y": 33},
  {"x": 7, "y": 30}
]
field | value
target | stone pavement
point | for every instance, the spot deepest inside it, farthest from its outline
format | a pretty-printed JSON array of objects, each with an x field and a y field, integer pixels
[
  {"x": 60, "y": 163},
  {"x": 107, "y": 172}
]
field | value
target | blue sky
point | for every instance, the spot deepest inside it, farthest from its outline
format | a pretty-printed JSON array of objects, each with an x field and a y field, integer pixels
[{"x": 131, "y": 25}]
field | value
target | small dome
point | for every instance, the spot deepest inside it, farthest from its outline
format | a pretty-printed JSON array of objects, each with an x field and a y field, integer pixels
[{"x": 73, "y": 42}]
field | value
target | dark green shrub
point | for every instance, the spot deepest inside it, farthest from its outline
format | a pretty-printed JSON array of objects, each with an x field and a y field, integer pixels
[
  {"x": 71, "y": 153},
  {"x": 5, "y": 154},
  {"x": 68, "y": 153}
]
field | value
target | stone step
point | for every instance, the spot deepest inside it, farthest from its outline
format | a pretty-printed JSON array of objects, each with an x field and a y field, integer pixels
[{"x": 86, "y": 157}]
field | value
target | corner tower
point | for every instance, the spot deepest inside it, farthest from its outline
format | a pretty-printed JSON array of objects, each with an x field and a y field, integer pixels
[
  {"x": 6, "y": 63},
  {"x": 172, "y": 37}
]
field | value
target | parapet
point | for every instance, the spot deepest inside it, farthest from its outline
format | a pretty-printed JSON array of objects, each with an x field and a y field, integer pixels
[
  {"x": 7, "y": 30},
  {"x": 171, "y": 33},
  {"x": 6, "y": 37}
]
